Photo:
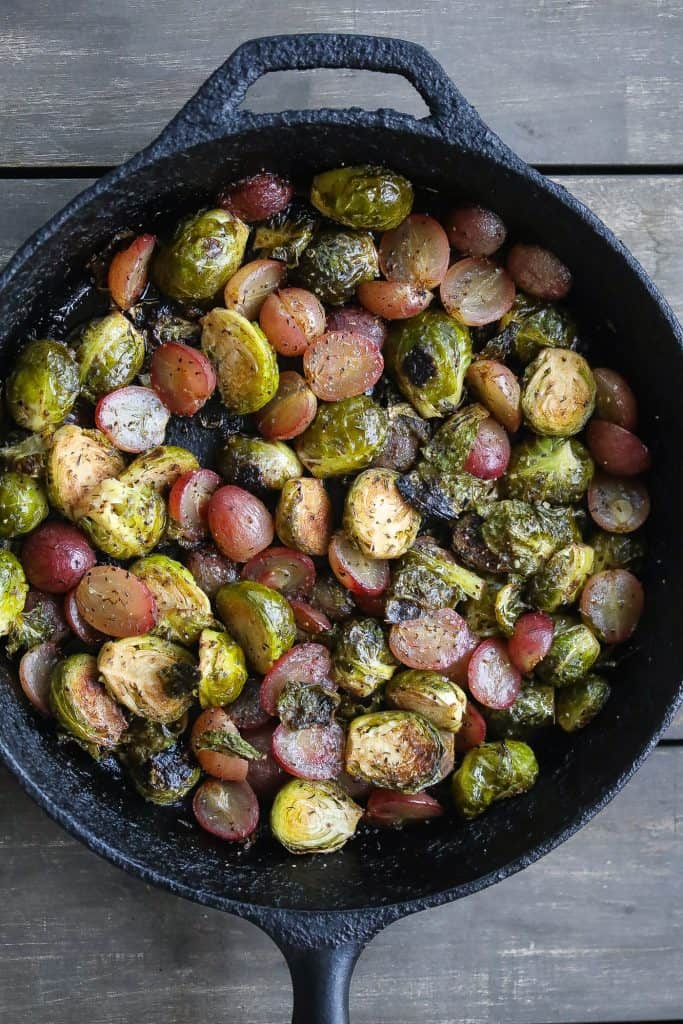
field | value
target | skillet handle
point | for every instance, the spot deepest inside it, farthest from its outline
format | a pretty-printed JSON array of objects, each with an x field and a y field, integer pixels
[
  {"x": 321, "y": 980},
  {"x": 213, "y": 111}
]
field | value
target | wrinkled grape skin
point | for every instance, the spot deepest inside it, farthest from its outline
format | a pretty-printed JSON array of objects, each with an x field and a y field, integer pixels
[
  {"x": 257, "y": 197},
  {"x": 539, "y": 272},
  {"x": 211, "y": 569},
  {"x": 475, "y": 230}
]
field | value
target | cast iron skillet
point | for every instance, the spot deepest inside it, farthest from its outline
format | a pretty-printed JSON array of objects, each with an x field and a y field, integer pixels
[{"x": 322, "y": 910}]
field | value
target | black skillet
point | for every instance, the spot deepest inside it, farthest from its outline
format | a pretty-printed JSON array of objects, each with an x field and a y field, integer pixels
[{"x": 323, "y": 910}]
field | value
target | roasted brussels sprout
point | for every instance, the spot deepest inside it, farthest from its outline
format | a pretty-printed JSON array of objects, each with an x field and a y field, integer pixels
[
  {"x": 335, "y": 262},
  {"x": 303, "y": 517},
  {"x": 344, "y": 437},
  {"x": 313, "y": 817},
  {"x": 205, "y": 251},
  {"x": 23, "y": 504},
  {"x": 480, "y": 612},
  {"x": 394, "y": 750},
  {"x": 448, "y": 449},
  {"x": 537, "y": 325},
  {"x": 363, "y": 197},
  {"x": 407, "y": 431},
  {"x": 285, "y": 235},
  {"x": 534, "y": 709},
  {"x": 110, "y": 355},
  {"x": 518, "y": 537},
  {"x": 509, "y": 604},
  {"x": 246, "y": 363},
  {"x": 83, "y": 707},
  {"x": 169, "y": 327},
  {"x": 77, "y": 461},
  {"x": 572, "y": 654},
  {"x": 222, "y": 669},
  {"x": 42, "y": 386},
  {"x": 256, "y": 464},
  {"x": 165, "y": 777},
  {"x": 362, "y": 660},
  {"x": 428, "y": 356},
  {"x": 13, "y": 590},
  {"x": 554, "y": 469},
  {"x": 332, "y": 599},
  {"x": 578, "y": 705},
  {"x": 159, "y": 468},
  {"x": 377, "y": 517},
  {"x": 561, "y": 579},
  {"x": 437, "y": 698},
  {"x": 490, "y": 772},
  {"x": 468, "y": 544},
  {"x": 183, "y": 608},
  {"x": 428, "y": 578},
  {"x": 558, "y": 393},
  {"x": 447, "y": 495},
  {"x": 122, "y": 520},
  {"x": 259, "y": 619},
  {"x": 616, "y": 551},
  {"x": 144, "y": 738},
  {"x": 143, "y": 673},
  {"x": 301, "y": 705}
]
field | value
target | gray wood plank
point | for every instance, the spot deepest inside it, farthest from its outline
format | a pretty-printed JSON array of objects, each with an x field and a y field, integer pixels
[
  {"x": 561, "y": 82},
  {"x": 594, "y": 932}
]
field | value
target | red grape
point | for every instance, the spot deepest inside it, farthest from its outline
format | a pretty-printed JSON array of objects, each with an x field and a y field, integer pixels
[
  {"x": 357, "y": 320},
  {"x": 492, "y": 678},
  {"x": 291, "y": 319},
  {"x": 489, "y": 455},
  {"x": 617, "y": 451},
  {"x": 309, "y": 620},
  {"x": 114, "y": 601},
  {"x": 476, "y": 291},
  {"x": 133, "y": 418},
  {"x": 354, "y": 570},
  {"x": 539, "y": 272},
  {"x": 313, "y": 753},
  {"x": 35, "y": 671},
  {"x": 611, "y": 604},
  {"x": 416, "y": 252},
  {"x": 240, "y": 523},
  {"x": 128, "y": 271},
  {"x": 614, "y": 400},
  {"x": 394, "y": 300},
  {"x": 265, "y": 776},
  {"x": 530, "y": 641},
  {"x": 290, "y": 411},
  {"x": 78, "y": 625},
  {"x": 55, "y": 557},
  {"x": 290, "y": 572},
  {"x": 497, "y": 388},
  {"x": 228, "y": 810},
  {"x": 211, "y": 569},
  {"x": 472, "y": 732},
  {"x": 619, "y": 505},
  {"x": 257, "y": 197},
  {"x": 303, "y": 663},
  {"x": 228, "y": 767},
  {"x": 474, "y": 230},
  {"x": 188, "y": 502},
  {"x": 371, "y": 604},
  {"x": 183, "y": 378},
  {"x": 438, "y": 641},
  {"x": 246, "y": 712},
  {"x": 342, "y": 365},
  {"x": 248, "y": 289},
  {"x": 391, "y": 809}
]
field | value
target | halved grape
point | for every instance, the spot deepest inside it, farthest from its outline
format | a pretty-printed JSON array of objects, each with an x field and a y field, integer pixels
[
  {"x": 114, "y": 601},
  {"x": 617, "y": 451},
  {"x": 228, "y": 810},
  {"x": 614, "y": 400},
  {"x": 358, "y": 321},
  {"x": 356, "y": 788},
  {"x": 246, "y": 712},
  {"x": 539, "y": 272},
  {"x": 394, "y": 300},
  {"x": 472, "y": 732},
  {"x": 531, "y": 639},
  {"x": 55, "y": 557},
  {"x": 133, "y": 418},
  {"x": 611, "y": 604},
  {"x": 492, "y": 678},
  {"x": 291, "y": 572},
  {"x": 497, "y": 388},
  {"x": 290, "y": 411},
  {"x": 618, "y": 504},
  {"x": 490, "y": 453},
  {"x": 257, "y": 197},
  {"x": 211, "y": 569},
  {"x": 309, "y": 620},
  {"x": 392, "y": 810},
  {"x": 438, "y": 641},
  {"x": 228, "y": 767},
  {"x": 128, "y": 271},
  {"x": 416, "y": 252},
  {"x": 354, "y": 570},
  {"x": 265, "y": 776},
  {"x": 240, "y": 523},
  {"x": 188, "y": 502},
  {"x": 78, "y": 625},
  {"x": 248, "y": 289},
  {"x": 341, "y": 365},
  {"x": 371, "y": 604},
  {"x": 476, "y": 291},
  {"x": 475, "y": 230},
  {"x": 291, "y": 319},
  {"x": 35, "y": 670},
  {"x": 303, "y": 663},
  {"x": 314, "y": 753},
  {"x": 183, "y": 378}
]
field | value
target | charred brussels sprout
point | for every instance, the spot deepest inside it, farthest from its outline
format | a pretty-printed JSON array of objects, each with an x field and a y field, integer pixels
[
  {"x": 203, "y": 254},
  {"x": 407, "y": 431},
  {"x": 301, "y": 705},
  {"x": 362, "y": 660},
  {"x": 394, "y": 750},
  {"x": 285, "y": 235},
  {"x": 509, "y": 604},
  {"x": 78, "y": 460},
  {"x": 122, "y": 520},
  {"x": 428, "y": 578},
  {"x": 313, "y": 817},
  {"x": 13, "y": 590},
  {"x": 554, "y": 469},
  {"x": 332, "y": 599},
  {"x": 534, "y": 709},
  {"x": 159, "y": 468},
  {"x": 165, "y": 777},
  {"x": 572, "y": 654},
  {"x": 558, "y": 393},
  {"x": 578, "y": 705},
  {"x": 144, "y": 738},
  {"x": 537, "y": 325},
  {"x": 259, "y": 619},
  {"x": 246, "y": 364},
  {"x": 222, "y": 669},
  {"x": 150, "y": 676},
  {"x": 452, "y": 442},
  {"x": 42, "y": 386},
  {"x": 23, "y": 504},
  {"x": 377, "y": 517},
  {"x": 183, "y": 607},
  {"x": 447, "y": 495},
  {"x": 335, "y": 262},
  {"x": 480, "y": 612},
  {"x": 517, "y": 535},
  {"x": 256, "y": 464},
  {"x": 428, "y": 356},
  {"x": 437, "y": 698},
  {"x": 110, "y": 355},
  {"x": 82, "y": 706},
  {"x": 363, "y": 197},
  {"x": 344, "y": 437},
  {"x": 561, "y": 579},
  {"x": 490, "y": 772},
  {"x": 616, "y": 551}
]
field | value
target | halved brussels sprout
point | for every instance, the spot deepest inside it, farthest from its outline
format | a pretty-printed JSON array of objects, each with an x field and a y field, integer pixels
[
  {"x": 122, "y": 520},
  {"x": 331, "y": 598},
  {"x": 23, "y": 504},
  {"x": 578, "y": 705},
  {"x": 302, "y": 705},
  {"x": 257, "y": 465},
  {"x": 13, "y": 590},
  {"x": 437, "y": 698},
  {"x": 344, "y": 437},
  {"x": 159, "y": 467},
  {"x": 144, "y": 738},
  {"x": 428, "y": 356},
  {"x": 572, "y": 654},
  {"x": 222, "y": 669},
  {"x": 43, "y": 385},
  {"x": 140, "y": 672},
  {"x": 509, "y": 604},
  {"x": 362, "y": 660},
  {"x": 110, "y": 355},
  {"x": 452, "y": 442},
  {"x": 78, "y": 460},
  {"x": 184, "y": 609},
  {"x": 558, "y": 393},
  {"x": 493, "y": 771},
  {"x": 534, "y": 709},
  {"x": 303, "y": 517},
  {"x": 561, "y": 579},
  {"x": 377, "y": 517},
  {"x": 447, "y": 495},
  {"x": 259, "y": 619},
  {"x": 616, "y": 551},
  {"x": 394, "y": 750},
  {"x": 27, "y": 455},
  {"x": 165, "y": 777},
  {"x": 82, "y": 706},
  {"x": 428, "y": 578},
  {"x": 537, "y": 325},
  {"x": 313, "y": 817},
  {"x": 407, "y": 432},
  {"x": 335, "y": 262},
  {"x": 561, "y": 523},
  {"x": 367, "y": 197},
  {"x": 205, "y": 251},
  {"x": 517, "y": 535},
  {"x": 169, "y": 327},
  {"x": 480, "y": 612},
  {"x": 285, "y": 235},
  {"x": 245, "y": 361},
  {"x": 554, "y": 469}
]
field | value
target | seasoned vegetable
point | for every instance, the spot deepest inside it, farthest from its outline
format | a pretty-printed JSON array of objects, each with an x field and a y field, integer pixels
[
  {"x": 13, "y": 590},
  {"x": 533, "y": 709},
  {"x": 572, "y": 654},
  {"x": 536, "y": 325},
  {"x": 490, "y": 772},
  {"x": 428, "y": 357},
  {"x": 245, "y": 362},
  {"x": 518, "y": 536},
  {"x": 258, "y": 465},
  {"x": 616, "y": 550},
  {"x": 134, "y": 419},
  {"x": 553, "y": 469},
  {"x": 407, "y": 431},
  {"x": 259, "y": 619},
  {"x": 202, "y": 255},
  {"x": 113, "y": 601},
  {"x": 183, "y": 378},
  {"x": 151, "y": 677},
  {"x": 159, "y": 468},
  {"x": 447, "y": 495},
  {"x": 367, "y": 197},
  {"x": 344, "y": 437},
  {"x": 362, "y": 660},
  {"x": 558, "y": 393},
  {"x": 440, "y": 641},
  {"x": 110, "y": 355},
  {"x": 394, "y": 750},
  {"x": 377, "y": 517},
  {"x": 165, "y": 777},
  {"x": 122, "y": 520},
  {"x": 183, "y": 608},
  {"x": 77, "y": 461},
  {"x": 42, "y": 386},
  {"x": 23, "y": 504},
  {"x": 82, "y": 706},
  {"x": 562, "y": 578},
  {"x": 222, "y": 669},
  {"x": 332, "y": 599},
  {"x": 313, "y": 817},
  {"x": 578, "y": 705},
  {"x": 285, "y": 235},
  {"x": 340, "y": 364},
  {"x": 436, "y": 697},
  {"x": 303, "y": 517},
  {"x": 335, "y": 262}
]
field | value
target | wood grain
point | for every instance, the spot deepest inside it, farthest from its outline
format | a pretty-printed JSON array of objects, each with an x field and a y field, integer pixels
[{"x": 583, "y": 82}]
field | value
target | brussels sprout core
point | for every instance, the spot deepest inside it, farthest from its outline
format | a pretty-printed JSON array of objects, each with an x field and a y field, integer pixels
[
  {"x": 395, "y": 750},
  {"x": 313, "y": 817},
  {"x": 432, "y": 695},
  {"x": 558, "y": 393},
  {"x": 377, "y": 517},
  {"x": 133, "y": 671}
]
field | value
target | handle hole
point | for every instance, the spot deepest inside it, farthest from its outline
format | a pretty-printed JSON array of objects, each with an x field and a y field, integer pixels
[{"x": 325, "y": 87}]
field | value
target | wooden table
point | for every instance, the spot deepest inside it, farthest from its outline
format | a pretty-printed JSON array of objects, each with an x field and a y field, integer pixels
[{"x": 589, "y": 91}]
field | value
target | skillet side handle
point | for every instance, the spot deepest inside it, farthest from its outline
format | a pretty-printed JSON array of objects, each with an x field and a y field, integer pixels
[{"x": 321, "y": 981}]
